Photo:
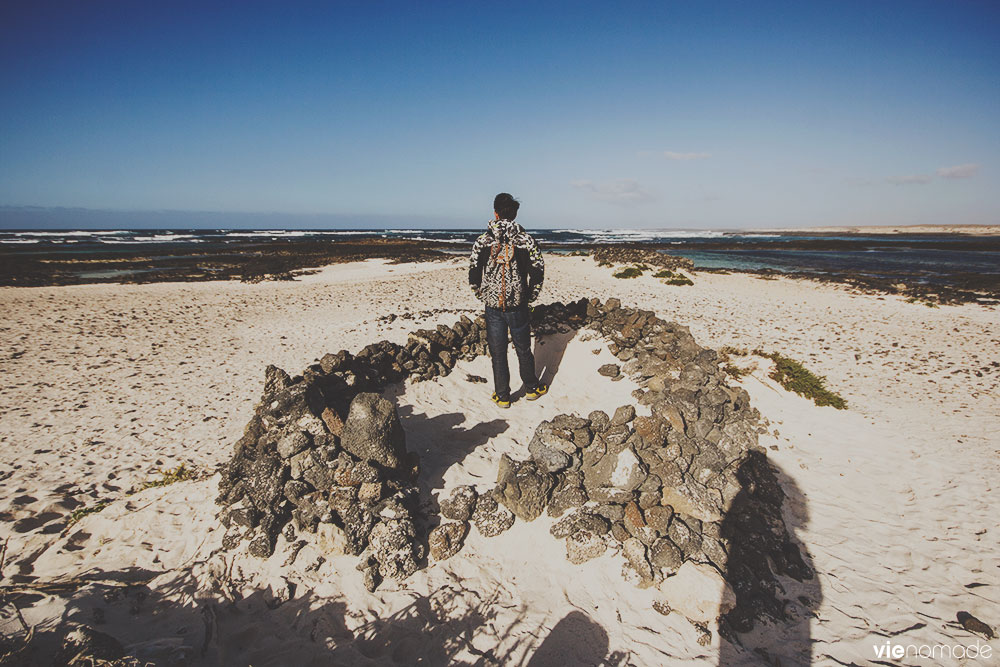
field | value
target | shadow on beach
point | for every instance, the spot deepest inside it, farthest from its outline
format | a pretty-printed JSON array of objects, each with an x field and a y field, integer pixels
[
  {"x": 173, "y": 623},
  {"x": 769, "y": 569},
  {"x": 549, "y": 351},
  {"x": 442, "y": 442}
]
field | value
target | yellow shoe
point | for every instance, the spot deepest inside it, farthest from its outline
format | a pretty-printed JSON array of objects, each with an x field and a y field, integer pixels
[
  {"x": 501, "y": 403},
  {"x": 539, "y": 391}
]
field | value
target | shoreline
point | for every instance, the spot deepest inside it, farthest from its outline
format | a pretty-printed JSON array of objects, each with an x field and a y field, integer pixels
[{"x": 291, "y": 259}]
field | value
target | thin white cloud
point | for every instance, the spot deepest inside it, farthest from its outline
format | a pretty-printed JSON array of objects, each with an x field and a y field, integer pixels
[
  {"x": 959, "y": 171},
  {"x": 912, "y": 179},
  {"x": 622, "y": 191},
  {"x": 671, "y": 155}
]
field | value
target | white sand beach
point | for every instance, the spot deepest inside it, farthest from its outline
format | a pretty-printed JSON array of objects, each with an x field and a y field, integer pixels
[{"x": 893, "y": 501}]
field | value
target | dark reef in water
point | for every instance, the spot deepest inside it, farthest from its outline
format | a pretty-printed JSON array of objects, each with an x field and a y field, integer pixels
[{"x": 250, "y": 261}]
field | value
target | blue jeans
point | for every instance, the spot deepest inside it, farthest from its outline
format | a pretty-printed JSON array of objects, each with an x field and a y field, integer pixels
[{"x": 519, "y": 323}]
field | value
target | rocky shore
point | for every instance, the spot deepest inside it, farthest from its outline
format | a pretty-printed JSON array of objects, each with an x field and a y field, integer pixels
[{"x": 249, "y": 261}]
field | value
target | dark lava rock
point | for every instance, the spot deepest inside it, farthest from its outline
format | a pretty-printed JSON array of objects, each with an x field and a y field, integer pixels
[
  {"x": 372, "y": 431},
  {"x": 460, "y": 505},
  {"x": 666, "y": 556},
  {"x": 580, "y": 520},
  {"x": 490, "y": 517},
  {"x": 446, "y": 540},
  {"x": 610, "y": 370},
  {"x": 394, "y": 545}
]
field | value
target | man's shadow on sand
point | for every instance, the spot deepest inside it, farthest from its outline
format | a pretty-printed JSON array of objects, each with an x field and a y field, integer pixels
[
  {"x": 548, "y": 350},
  {"x": 769, "y": 569}
]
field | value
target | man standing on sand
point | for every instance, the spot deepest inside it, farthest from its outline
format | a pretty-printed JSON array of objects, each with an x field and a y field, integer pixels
[{"x": 506, "y": 271}]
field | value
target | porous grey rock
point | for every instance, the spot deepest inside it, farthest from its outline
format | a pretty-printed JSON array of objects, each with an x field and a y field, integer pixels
[
  {"x": 490, "y": 517},
  {"x": 292, "y": 443},
  {"x": 373, "y": 433},
  {"x": 566, "y": 497},
  {"x": 523, "y": 487},
  {"x": 658, "y": 518},
  {"x": 446, "y": 540},
  {"x": 628, "y": 472},
  {"x": 686, "y": 539},
  {"x": 583, "y": 545},
  {"x": 599, "y": 421},
  {"x": 394, "y": 545},
  {"x": 579, "y": 520},
  {"x": 665, "y": 556},
  {"x": 623, "y": 415},
  {"x": 460, "y": 505},
  {"x": 551, "y": 460}
]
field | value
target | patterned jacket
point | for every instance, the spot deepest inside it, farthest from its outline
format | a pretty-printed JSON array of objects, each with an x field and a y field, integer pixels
[{"x": 506, "y": 268}]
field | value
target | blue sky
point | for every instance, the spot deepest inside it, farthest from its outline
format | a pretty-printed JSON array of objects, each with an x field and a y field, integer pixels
[{"x": 617, "y": 114}]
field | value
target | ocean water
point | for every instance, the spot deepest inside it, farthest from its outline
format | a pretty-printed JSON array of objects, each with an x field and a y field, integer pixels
[{"x": 943, "y": 259}]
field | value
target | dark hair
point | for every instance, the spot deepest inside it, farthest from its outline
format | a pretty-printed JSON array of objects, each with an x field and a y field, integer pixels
[{"x": 506, "y": 206}]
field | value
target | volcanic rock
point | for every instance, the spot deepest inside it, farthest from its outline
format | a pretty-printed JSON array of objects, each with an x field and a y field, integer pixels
[
  {"x": 490, "y": 517},
  {"x": 460, "y": 505},
  {"x": 446, "y": 540},
  {"x": 372, "y": 431}
]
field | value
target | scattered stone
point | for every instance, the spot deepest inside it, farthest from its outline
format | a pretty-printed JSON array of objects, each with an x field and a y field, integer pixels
[
  {"x": 292, "y": 444},
  {"x": 460, "y": 505},
  {"x": 333, "y": 421},
  {"x": 577, "y": 521},
  {"x": 478, "y": 379},
  {"x": 446, "y": 540},
  {"x": 635, "y": 557},
  {"x": 973, "y": 624},
  {"x": 490, "y": 517},
  {"x": 658, "y": 518},
  {"x": 393, "y": 544},
  {"x": 609, "y": 370},
  {"x": 623, "y": 415}
]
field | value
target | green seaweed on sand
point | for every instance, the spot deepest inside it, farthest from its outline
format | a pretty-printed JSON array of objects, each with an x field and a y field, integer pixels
[
  {"x": 793, "y": 376},
  {"x": 167, "y": 477},
  {"x": 671, "y": 278},
  {"x": 81, "y": 512},
  {"x": 926, "y": 302},
  {"x": 630, "y": 272}
]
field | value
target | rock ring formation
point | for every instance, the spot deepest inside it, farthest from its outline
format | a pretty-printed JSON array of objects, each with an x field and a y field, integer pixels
[{"x": 684, "y": 494}]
